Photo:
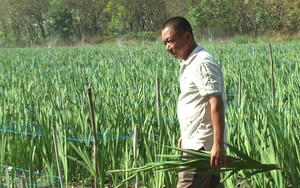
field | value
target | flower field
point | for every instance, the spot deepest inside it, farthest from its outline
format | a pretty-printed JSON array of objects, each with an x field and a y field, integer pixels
[{"x": 40, "y": 87}]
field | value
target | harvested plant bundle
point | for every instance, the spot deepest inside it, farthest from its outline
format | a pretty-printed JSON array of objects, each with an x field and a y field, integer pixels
[{"x": 201, "y": 159}]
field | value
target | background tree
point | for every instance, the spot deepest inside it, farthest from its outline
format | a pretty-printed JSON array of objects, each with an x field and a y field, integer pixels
[
  {"x": 119, "y": 18},
  {"x": 36, "y": 11},
  {"x": 28, "y": 21},
  {"x": 27, "y": 17},
  {"x": 176, "y": 8},
  {"x": 292, "y": 16},
  {"x": 60, "y": 20},
  {"x": 4, "y": 22},
  {"x": 213, "y": 19},
  {"x": 88, "y": 18}
]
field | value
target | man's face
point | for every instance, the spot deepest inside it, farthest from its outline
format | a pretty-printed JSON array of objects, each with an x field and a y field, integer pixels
[{"x": 176, "y": 45}]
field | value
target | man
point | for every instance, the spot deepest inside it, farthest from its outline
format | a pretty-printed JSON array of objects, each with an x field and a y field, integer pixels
[{"x": 201, "y": 103}]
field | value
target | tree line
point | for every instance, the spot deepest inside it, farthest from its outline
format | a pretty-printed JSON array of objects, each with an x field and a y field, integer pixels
[{"x": 69, "y": 20}]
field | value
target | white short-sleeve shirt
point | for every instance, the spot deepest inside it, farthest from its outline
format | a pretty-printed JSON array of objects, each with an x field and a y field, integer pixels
[{"x": 200, "y": 78}]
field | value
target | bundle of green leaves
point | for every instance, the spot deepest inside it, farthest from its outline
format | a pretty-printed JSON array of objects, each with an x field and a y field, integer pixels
[{"x": 201, "y": 159}]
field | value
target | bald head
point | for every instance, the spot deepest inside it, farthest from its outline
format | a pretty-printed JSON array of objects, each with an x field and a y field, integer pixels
[{"x": 179, "y": 25}]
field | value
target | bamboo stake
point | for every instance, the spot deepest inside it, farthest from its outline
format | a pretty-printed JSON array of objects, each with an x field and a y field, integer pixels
[
  {"x": 240, "y": 89},
  {"x": 58, "y": 102},
  {"x": 94, "y": 133},
  {"x": 20, "y": 183},
  {"x": 23, "y": 182},
  {"x": 135, "y": 145},
  {"x": 272, "y": 75},
  {"x": 57, "y": 156},
  {"x": 158, "y": 101}
]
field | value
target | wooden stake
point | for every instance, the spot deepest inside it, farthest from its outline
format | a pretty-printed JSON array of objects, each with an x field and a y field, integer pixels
[
  {"x": 272, "y": 75},
  {"x": 135, "y": 146},
  {"x": 23, "y": 182},
  {"x": 20, "y": 183},
  {"x": 158, "y": 101},
  {"x": 57, "y": 157},
  {"x": 94, "y": 134}
]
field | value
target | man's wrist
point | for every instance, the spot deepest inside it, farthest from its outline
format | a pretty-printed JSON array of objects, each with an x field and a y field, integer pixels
[{"x": 219, "y": 143}]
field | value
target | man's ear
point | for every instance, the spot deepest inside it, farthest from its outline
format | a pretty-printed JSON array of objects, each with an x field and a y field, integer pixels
[{"x": 188, "y": 36}]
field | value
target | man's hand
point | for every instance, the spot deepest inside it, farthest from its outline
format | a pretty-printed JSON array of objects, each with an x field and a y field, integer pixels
[
  {"x": 179, "y": 142},
  {"x": 218, "y": 156}
]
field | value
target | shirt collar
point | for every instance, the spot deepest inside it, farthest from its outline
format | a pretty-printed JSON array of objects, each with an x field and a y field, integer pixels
[{"x": 192, "y": 54}]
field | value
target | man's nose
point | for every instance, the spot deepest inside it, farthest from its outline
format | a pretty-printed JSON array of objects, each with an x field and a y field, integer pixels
[{"x": 168, "y": 47}]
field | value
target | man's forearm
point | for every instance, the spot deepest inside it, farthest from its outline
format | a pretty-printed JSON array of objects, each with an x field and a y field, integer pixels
[{"x": 218, "y": 119}]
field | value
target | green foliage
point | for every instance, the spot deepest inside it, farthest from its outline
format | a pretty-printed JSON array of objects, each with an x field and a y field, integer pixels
[
  {"x": 141, "y": 36},
  {"x": 60, "y": 20},
  {"x": 120, "y": 18},
  {"x": 123, "y": 87},
  {"x": 211, "y": 18},
  {"x": 33, "y": 22},
  {"x": 293, "y": 14}
]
